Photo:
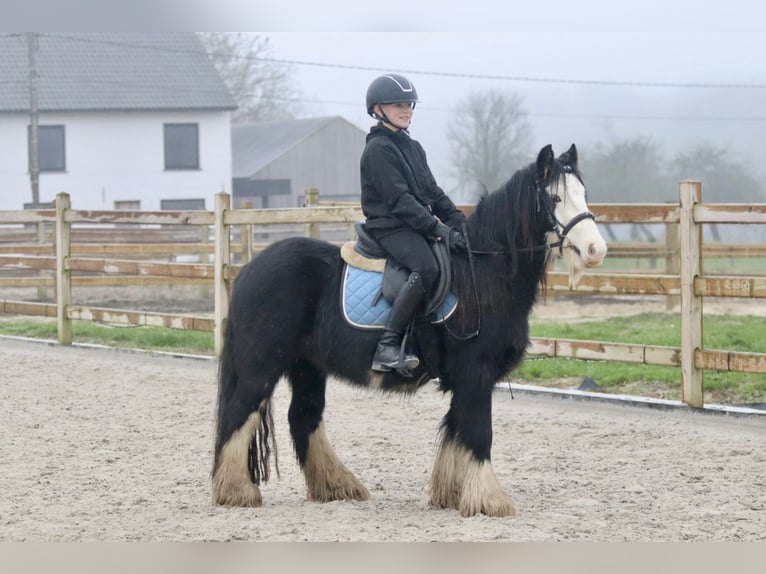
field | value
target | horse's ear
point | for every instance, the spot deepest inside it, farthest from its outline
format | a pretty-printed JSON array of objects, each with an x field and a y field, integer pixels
[
  {"x": 570, "y": 156},
  {"x": 544, "y": 161}
]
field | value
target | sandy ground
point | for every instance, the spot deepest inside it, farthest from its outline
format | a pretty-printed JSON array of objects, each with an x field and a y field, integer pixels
[{"x": 102, "y": 445}]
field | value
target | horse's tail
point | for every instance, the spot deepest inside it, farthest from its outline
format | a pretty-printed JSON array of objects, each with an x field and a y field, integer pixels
[
  {"x": 262, "y": 440},
  {"x": 262, "y": 444}
]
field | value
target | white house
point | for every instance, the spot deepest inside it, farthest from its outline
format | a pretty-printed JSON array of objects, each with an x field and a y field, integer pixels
[{"x": 126, "y": 121}]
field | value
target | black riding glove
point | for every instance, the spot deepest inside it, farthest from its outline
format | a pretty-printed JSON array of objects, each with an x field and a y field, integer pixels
[{"x": 452, "y": 237}]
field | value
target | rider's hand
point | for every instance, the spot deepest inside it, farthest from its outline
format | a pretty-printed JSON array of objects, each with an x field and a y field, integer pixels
[{"x": 452, "y": 237}]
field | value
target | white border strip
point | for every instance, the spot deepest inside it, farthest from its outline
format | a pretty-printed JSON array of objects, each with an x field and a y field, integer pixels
[
  {"x": 633, "y": 400},
  {"x": 95, "y": 346}
]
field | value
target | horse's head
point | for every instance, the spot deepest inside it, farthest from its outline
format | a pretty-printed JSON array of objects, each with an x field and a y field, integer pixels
[{"x": 574, "y": 226}]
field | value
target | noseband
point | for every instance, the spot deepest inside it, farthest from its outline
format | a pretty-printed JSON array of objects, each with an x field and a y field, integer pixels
[{"x": 562, "y": 230}]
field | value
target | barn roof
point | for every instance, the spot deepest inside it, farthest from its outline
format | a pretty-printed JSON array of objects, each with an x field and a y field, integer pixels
[
  {"x": 111, "y": 71},
  {"x": 255, "y": 145}
]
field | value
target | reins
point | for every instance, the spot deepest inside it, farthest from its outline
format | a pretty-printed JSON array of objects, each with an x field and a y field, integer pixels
[
  {"x": 470, "y": 253},
  {"x": 556, "y": 227}
]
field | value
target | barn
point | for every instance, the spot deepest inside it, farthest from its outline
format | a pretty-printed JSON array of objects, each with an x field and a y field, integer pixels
[{"x": 274, "y": 162}]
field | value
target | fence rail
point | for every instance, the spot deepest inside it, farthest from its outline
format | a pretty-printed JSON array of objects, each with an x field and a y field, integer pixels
[{"x": 61, "y": 243}]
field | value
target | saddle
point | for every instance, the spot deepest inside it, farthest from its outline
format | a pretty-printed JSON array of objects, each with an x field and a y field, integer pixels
[{"x": 370, "y": 256}]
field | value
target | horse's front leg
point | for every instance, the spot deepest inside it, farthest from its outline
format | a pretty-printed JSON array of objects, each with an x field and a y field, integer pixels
[
  {"x": 327, "y": 478},
  {"x": 463, "y": 477}
]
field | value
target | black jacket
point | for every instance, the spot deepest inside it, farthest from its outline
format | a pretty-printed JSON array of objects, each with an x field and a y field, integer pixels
[{"x": 390, "y": 197}]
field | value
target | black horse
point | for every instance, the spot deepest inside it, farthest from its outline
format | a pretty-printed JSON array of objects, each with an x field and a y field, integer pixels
[{"x": 285, "y": 319}]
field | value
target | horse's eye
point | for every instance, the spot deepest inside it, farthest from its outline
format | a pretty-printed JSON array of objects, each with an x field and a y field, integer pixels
[{"x": 556, "y": 199}]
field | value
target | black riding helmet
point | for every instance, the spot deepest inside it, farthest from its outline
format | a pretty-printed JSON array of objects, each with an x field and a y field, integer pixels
[{"x": 390, "y": 89}]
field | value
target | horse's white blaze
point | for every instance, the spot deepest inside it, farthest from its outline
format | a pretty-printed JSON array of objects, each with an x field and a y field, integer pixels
[
  {"x": 584, "y": 236},
  {"x": 326, "y": 477},
  {"x": 470, "y": 486},
  {"x": 231, "y": 479}
]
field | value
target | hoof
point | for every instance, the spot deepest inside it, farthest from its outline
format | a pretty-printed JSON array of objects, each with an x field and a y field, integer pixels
[
  {"x": 347, "y": 487},
  {"x": 496, "y": 506},
  {"x": 462, "y": 483},
  {"x": 234, "y": 490},
  {"x": 247, "y": 496}
]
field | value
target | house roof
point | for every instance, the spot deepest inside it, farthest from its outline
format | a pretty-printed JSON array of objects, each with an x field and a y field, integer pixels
[
  {"x": 255, "y": 145},
  {"x": 108, "y": 71}
]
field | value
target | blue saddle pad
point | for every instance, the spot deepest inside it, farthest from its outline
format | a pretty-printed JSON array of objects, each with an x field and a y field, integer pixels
[{"x": 358, "y": 291}]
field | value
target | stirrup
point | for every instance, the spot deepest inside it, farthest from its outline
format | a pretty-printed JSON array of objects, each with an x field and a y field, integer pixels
[
  {"x": 404, "y": 364},
  {"x": 401, "y": 366}
]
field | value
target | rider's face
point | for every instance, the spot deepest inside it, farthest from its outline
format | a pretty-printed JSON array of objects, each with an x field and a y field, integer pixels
[{"x": 399, "y": 114}]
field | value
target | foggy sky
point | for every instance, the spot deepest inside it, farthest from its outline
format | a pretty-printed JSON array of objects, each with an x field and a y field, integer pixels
[
  {"x": 572, "y": 42},
  {"x": 566, "y": 109}
]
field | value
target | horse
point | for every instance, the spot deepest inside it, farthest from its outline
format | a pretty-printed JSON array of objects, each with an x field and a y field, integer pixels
[{"x": 285, "y": 320}]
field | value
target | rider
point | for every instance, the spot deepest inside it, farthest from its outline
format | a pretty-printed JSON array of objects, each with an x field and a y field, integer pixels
[{"x": 401, "y": 202}]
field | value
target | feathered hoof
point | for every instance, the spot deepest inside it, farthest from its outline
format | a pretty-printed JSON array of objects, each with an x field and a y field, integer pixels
[
  {"x": 462, "y": 483},
  {"x": 497, "y": 505},
  {"x": 238, "y": 493},
  {"x": 349, "y": 488}
]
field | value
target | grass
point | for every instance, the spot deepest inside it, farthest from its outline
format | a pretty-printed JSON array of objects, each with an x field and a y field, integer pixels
[
  {"x": 148, "y": 338},
  {"x": 713, "y": 265},
  {"x": 744, "y": 333},
  {"x": 729, "y": 332}
]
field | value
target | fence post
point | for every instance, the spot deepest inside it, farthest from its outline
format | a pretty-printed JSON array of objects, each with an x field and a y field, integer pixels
[
  {"x": 691, "y": 305},
  {"x": 63, "y": 273},
  {"x": 247, "y": 235},
  {"x": 311, "y": 199},
  {"x": 42, "y": 290},
  {"x": 204, "y": 257},
  {"x": 221, "y": 267},
  {"x": 672, "y": 264}
]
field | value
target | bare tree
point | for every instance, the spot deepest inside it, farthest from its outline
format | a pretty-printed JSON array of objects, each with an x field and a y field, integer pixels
[
  {"x": 630, "y": 170},
  {"x": 489, "y": 139},
  {"x": 263, "y": 89},
  {"x": 725, "y": 178}
]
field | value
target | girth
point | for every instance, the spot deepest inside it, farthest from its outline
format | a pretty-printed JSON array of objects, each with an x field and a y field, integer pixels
[{"x": 395, "y": 275}]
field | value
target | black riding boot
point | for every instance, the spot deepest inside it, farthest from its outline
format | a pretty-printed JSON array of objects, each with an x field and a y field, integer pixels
[{"x": 390, "y": 344}]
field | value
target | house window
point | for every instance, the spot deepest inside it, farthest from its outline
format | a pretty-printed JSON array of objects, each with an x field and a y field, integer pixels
[
  {"x": 182, "y": 204},
  {"x": 128, "y": 205},
  {"x": 51, "y": 155},
  {"x": 181, "y": 146}
]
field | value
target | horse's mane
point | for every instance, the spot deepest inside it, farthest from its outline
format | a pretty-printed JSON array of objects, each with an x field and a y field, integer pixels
[
  {"x": 512, "y": 221},
  {"x": 509, "y": 216}
]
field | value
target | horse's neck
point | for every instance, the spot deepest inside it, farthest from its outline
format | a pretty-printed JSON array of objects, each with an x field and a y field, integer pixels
[{"x": 517, "y": 287}]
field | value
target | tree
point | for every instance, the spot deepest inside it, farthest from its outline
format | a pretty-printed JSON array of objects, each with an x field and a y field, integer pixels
[
  {"x": 262, "y": 89},
  {"x": 628, "y": 171},
  {"x": 724, "y": 179},
  {"x": 488, "y": 139}
]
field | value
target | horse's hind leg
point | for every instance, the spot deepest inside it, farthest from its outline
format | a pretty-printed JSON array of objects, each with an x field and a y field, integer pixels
[
  {"x": 245, "y": 437},
  {"x": 326, "y": 477},
  {"x": 463, "y": 477}
]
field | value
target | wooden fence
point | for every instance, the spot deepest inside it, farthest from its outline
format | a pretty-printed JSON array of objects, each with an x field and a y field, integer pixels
[{"x": 66, "y": 252}]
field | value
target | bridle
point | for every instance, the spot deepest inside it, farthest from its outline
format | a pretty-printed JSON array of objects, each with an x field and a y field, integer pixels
[
  {"x": 562, "y": 230},
  {"x": 556, "y": 226}
]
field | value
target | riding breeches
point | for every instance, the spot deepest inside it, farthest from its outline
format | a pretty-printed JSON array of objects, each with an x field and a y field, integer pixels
[{"x": 410, "y": 249}]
